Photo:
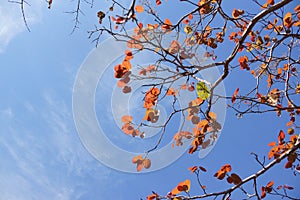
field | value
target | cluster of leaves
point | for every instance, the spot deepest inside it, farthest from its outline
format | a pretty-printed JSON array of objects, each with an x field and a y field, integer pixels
[
  {"x": 123, "y": 71},
  {"x": 141, "y": 162}
]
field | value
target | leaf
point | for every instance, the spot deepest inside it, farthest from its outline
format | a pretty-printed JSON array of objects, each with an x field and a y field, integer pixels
[
  {"x": 127, "y": 129},
  {"x": 171, "y": 92},
  {"x": 287, "y": 20},
  {"x": 233, "y": 98},
  {"x": 288, "y": 187},
  {"x": 101, "y": 16},
  {"x": 137, "y": 158},
  {"x": 182, "y": 186},
  {"x": 126, "y": 89},
  {"x": 222, "y": 172},
  {"x": 129, "y": 55},
  {"x": 269, "y": 2},
  {"x": 126, "y": 119},
  {"x": 139, "y": 8},
  {"x": 121, "y": 83},
  {"x": 152, "y": 196},
  {"x": 270, "y": 184},
  {"x": 167, "y": 25},
  {"x": 188, "y": 29},
  {"x": 158, "y": 2},
  {"x": 235, "y": 179},
  {"x": 202, "y": 169},
  {"x": 147, "y": 163},
  {"x": 193, "y": 169},
  {"x": 263, "y": 192},
  {"x": 271, "y": 144},
  {"x": 174, "y": 47},
  {"x": 139, "y": 166},
  {"x": 288, "y": 165},
  {"x": 212, "y": 115},
  {"x": 281, "y": 137},
  {"x": 243, "y": 62},
  {"x": 236, "y": 13},
  {"x": 202, "y": 90},
  {"x": 151, "y": 115}
]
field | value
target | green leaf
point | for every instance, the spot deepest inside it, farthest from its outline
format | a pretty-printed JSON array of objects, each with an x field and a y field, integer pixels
[{"x": 202, "y": 90}]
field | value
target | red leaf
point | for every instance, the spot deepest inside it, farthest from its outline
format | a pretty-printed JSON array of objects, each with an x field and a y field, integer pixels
[
  {"x": 263, "y": 192},
  {"x": 281, "y": 137},
  {"x": 236, "y": 179},
  {"x": 288, "y": 165},
  {"x": 202, "y": 169},
  {"x": 243, "y": 62},
  {"x": 288, "y": 187}
]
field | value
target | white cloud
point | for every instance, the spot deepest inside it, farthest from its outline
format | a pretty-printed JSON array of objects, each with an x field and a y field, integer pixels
[
  {"x": 7, "y": 113},
  {"x": 41, "y": 154},
  {"x": 11, "y": 20}
]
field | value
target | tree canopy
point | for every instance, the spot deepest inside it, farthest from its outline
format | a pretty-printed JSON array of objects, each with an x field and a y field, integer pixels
[{"x": 193, "y": 52}]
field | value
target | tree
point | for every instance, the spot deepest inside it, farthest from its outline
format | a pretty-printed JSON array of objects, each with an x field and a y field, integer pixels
[{"x": 262, "y": 43}]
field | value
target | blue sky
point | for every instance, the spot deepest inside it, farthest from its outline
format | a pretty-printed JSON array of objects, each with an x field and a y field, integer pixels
[{"x": 42, "y": 156}]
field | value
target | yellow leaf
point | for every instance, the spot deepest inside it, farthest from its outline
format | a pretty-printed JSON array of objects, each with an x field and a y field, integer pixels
[{"x": 188, "y": 29}]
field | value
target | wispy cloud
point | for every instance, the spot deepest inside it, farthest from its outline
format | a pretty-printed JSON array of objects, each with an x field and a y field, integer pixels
[
  {"x": 41, "y": 154},
  {"x": 11, "y": 20}
]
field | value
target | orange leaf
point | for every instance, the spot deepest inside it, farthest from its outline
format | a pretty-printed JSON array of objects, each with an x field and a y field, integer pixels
[
  {"x": 139, "y": 8},
  {"x": 233, "y": 98},
  {"x": 126, "y": 64},
  {"x": 270, "y": 184},
  {"x": 128, "y": 54},
  {"x": 146, "y": 163},
  {"x": 212, "y": 115},
  {"x": 167, "y": 25},
  {"x": 139, "y": 166},
  {"x": 126, "y": 119},
  {"x": 271, "y": 144},
  {"x": 182, "y": 186},
  {"x": 193, "y": 169},
  {"x": 152, "y": 196},
  {"x": 287, "y": 20},
  {"x": 236, "y": 13},
  {"x": 263, "y": 192},
  {"x": 222, "y": 172},
  {"x": 290, "y": 123},
  {"x": 158, "y": 2},
  {"x": 243, "y": 62},
  {"x": 127, "y": 129},
  {"x": 137, "y": 158},
  {"x": 171, "y": 92},
  {"x": 269, "y": 2},
  {"x": 121, "y": 83}
]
